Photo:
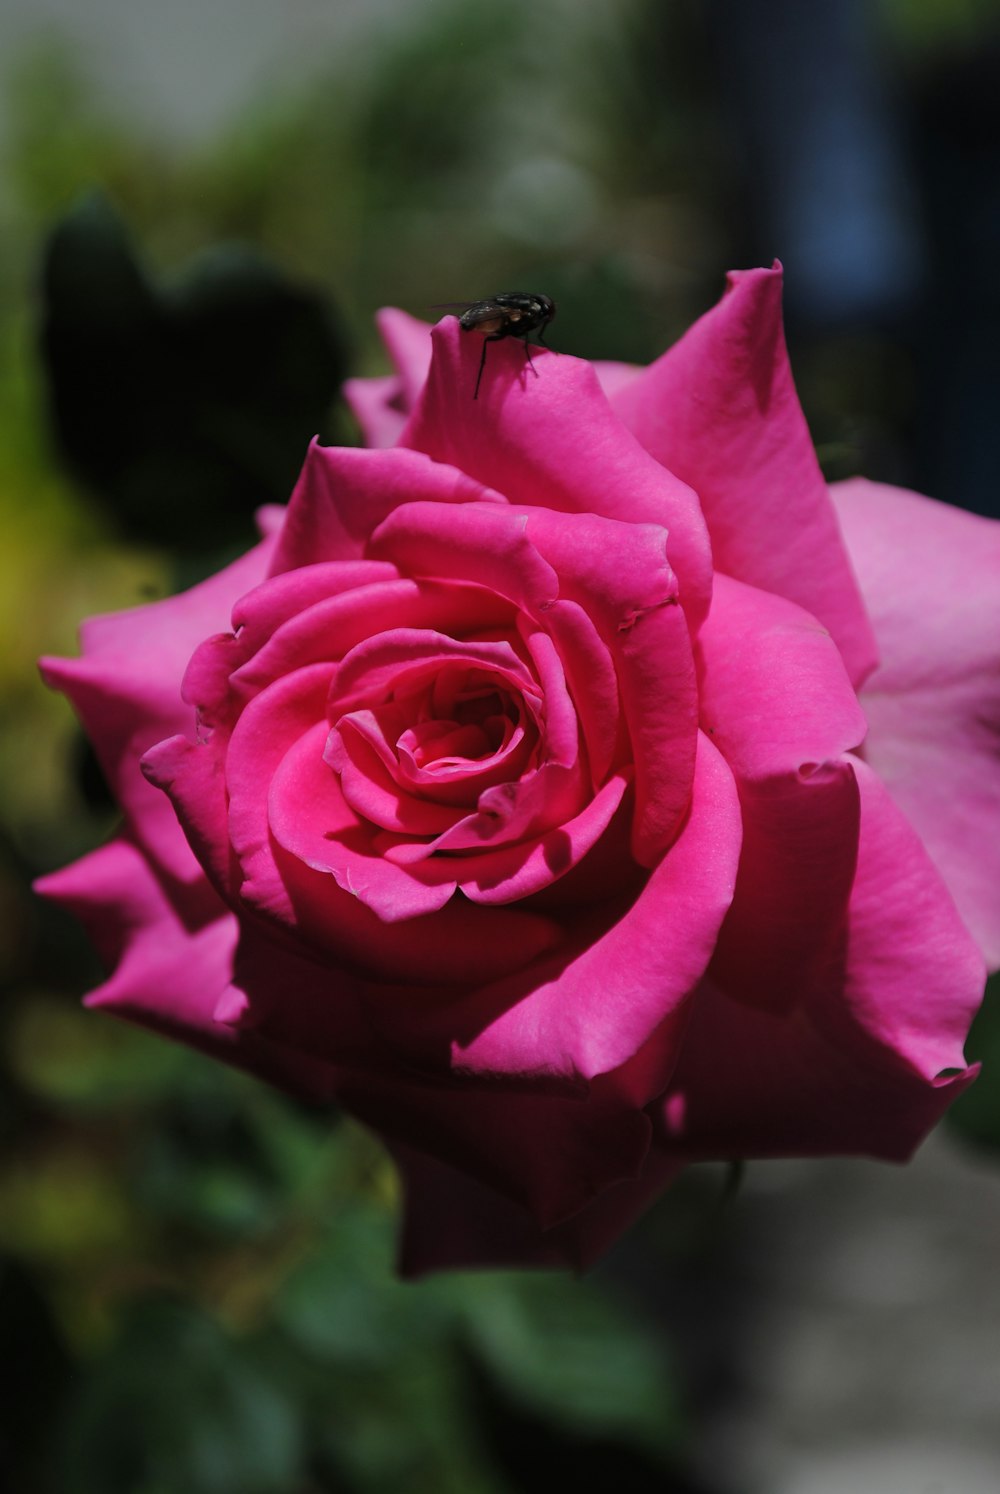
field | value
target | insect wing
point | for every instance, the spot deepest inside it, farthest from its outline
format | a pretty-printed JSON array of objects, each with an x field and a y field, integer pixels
[{"x": 481, "y": 312}]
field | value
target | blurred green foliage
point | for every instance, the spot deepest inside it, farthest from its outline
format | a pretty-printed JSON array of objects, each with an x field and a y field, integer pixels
[{"x": 197, "y": 1278}]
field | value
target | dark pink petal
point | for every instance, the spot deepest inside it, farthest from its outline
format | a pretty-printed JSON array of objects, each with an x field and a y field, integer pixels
[
  {"x": 127, "y": 692},
  {"x": 873, "y": 1056},
  {"x": 777, "y": 702},
  {"x": 593, "y": 683},
  {"x": 385, "y": 662},
  {"x": 344, "y": 493},
  {"x": 720, "y": 410},
  {"x": 619, "y": 576},
  {"x": 494, "y": 1134},
  {"x": 280, "y": 994},
  {"x": 554, "y": 442},
  {"x": 479, "y": 543},
  {"x": 329, "y": 629},
  {"x": 629, "y": 971},
  {"x": 373, "y": 791},
  {"x": 451, "y": 1221},
  {"x": 167, "y": 974},
  {"x": 272, "y": 723},
  {"x": 259, "y": 614},
  {"x": 518, "y": 871},
  {"x": 930, "y": 575},
  {"x": 280, "y": 626},
  {"x": 310, "y": 817},
  {"x": 455, "y": 945},
  {"x": 618, "y": 573},
  {"x": 193, "y": 775}
]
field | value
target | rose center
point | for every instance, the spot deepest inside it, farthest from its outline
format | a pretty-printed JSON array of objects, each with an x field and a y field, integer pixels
[{"x": 459, "y": 721}]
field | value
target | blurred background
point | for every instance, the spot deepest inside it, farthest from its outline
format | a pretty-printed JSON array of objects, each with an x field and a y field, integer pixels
[{"x": 201, "y": 206}]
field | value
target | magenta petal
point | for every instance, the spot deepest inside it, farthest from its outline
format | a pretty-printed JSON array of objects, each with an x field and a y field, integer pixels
[
  {"x": 517, "y": 871},
  {"x": 873, "y": 1055},
  {"x": 408, "y": 343},
  {"x": 194, "y": 778},
  {"x": 618, "y": 573},
  {"x": 720, "y": 410},
  {"x": 613, "y": 377},
  {"x": 479, "y": 543},
  {"x": 377, "y": 406},
  {"x": 777, "y": 702},
  {"x": 591, "y": 1014},
  {"x": 451, "y": 1221},
  {"x": 930, "y": 575},
  {"x": 493, "y": 1134},
  {"x": 554, "y": 441},
  {"x": 269, "y": 726},
  {"x": 310, "y": 818},
  {"x": 168, "y": 975},
  {"x": 382, "y": 406},
  {"x": 344, "y": 493},
  {"x": 544, "y": 561}
]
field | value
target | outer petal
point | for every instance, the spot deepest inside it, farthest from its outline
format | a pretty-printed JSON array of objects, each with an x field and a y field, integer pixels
[
  {"x": 169, "y": 975},
  {"x": 776, "y": 700},
  {"x": 407, "y": 341},
  {"x": 931, "y": 578},
  {"x": 493, "y": 1133},
  {"x": 873, "y": 1058},
  {"x": 127, "y": 692},
  {"x": 720, "y": 410},
  {"x": 452, "y": 1221},
  {"x": 377, "y": 406},
  {"x": 553, "y": 442},
  {"x": 381, "y": 406}
]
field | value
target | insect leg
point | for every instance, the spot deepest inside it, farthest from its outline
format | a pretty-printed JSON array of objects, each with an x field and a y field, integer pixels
[
  {"x": 527, "y": 354},
  {"x": 482, "y": 363}
]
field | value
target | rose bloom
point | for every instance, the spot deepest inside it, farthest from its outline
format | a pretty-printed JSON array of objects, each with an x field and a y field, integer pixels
[{"x": 570, "y": 786}]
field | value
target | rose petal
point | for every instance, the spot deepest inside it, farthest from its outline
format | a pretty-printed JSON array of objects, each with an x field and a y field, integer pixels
[
  {"x": 864, "y": 1067},
  {"x": 493, "y": 1134},
  {"x": 590, "y": 1014},
  {"x": 777, "y": 702},
  {"x": 930, "y": 575},
  {"x": 452, "y": 1221},
  {"x": 408, "y": 342},
  {"x": 312, "y": 820},
  {"x": 126, "y": 691},
  {"x": 344, "y": 493},
  {"x": 554, "y": 441},
  {"x": 169, "y": 975},
  {"x": 720, "y": 410},
  {"x": 537, "y": 558},
  {"x": 377, "y": 406}
]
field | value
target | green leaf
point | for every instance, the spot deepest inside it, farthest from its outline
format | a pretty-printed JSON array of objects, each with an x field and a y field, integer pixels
[
  {"x": 175, "y": 1405},
  {"x": 566, "y": 1351}
]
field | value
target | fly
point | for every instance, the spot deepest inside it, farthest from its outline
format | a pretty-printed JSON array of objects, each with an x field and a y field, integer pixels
[{"x": 507, "y": 314}]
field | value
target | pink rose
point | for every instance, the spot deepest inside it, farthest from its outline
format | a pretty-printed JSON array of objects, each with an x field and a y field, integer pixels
[{"x": 516, "y": 792}]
